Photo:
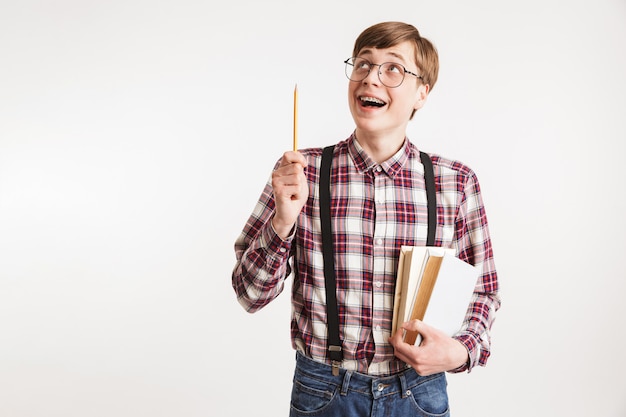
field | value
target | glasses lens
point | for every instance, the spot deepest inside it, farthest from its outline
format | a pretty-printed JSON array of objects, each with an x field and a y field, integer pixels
[
  {"x": 357, "y": 69},
  {"x": 391, "y": 74}
]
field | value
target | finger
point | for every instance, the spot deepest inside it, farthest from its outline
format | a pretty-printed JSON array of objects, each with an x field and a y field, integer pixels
[
  {"x": 402, "y": 350},
  {"x": 292, "y": 157},
  {"x": 425, "y": 330},
  {"x": 414, "y": 325},
  {"x": 290, "y": 193},
  {"x": 396, "y": 338},
  {"x": 291, "y": 169},
  {"x": 417, "y": 329},
  {"x": 289, "y": 182}
]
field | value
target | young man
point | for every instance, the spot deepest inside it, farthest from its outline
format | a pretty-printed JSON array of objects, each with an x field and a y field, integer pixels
[{"x": 378, "y": 203}]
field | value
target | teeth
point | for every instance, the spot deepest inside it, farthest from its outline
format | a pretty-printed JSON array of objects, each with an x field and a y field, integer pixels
[{"x": 372, "y": 100}]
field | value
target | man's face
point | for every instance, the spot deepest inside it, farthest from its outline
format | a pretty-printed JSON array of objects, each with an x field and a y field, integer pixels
[{"x": 378, "y": 109}]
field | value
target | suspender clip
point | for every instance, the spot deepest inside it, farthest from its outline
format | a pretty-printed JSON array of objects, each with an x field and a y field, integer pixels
[{"x": 335, "y": 353}]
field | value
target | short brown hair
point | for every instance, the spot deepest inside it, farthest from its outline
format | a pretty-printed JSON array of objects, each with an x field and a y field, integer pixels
[{"x": 388, "y": 34}]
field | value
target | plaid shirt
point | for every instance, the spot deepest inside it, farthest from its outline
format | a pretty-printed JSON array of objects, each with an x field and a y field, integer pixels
[{"x": 375, "y": 209}]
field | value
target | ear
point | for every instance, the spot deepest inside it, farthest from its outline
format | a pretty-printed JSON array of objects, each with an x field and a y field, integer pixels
[{"x": 420, "y": 96}]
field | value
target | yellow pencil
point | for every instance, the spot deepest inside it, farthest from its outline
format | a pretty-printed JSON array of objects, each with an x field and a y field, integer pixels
[{"x": 295, "y": 118}]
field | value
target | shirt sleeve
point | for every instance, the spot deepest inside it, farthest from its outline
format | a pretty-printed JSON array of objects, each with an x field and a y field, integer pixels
[
  {"x": 474, "y": 247},
  {"x": 262, "y": 257}
]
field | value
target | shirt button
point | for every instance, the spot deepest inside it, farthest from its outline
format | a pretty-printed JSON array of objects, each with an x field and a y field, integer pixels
[
  {"x": 283, "y": 250},
  {"x": 378, "y": 328},
  {"x": 379, "y": 242},
  {"x": 378, "y": 284},
  {"x": 379, "y": 168}
]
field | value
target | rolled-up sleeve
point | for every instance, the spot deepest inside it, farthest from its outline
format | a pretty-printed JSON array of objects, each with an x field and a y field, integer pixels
[
  {"x": 262, "y": 257},
  {"x": 474, "y": 247}
]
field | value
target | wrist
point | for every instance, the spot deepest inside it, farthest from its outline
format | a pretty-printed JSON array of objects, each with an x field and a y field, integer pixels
[
  {"x": 461, "y": 357},
  {"x": 283, "y": 230}
]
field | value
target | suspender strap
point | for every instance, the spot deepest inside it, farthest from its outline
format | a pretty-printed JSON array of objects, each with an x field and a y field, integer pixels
[
  {"x": 431, "y": 196},
  {"x": 335, "y": 351},
  {"x": 334, "y": 342}
]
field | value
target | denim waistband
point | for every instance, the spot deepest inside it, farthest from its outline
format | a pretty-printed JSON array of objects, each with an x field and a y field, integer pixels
[{"x": 376, "y": 386}]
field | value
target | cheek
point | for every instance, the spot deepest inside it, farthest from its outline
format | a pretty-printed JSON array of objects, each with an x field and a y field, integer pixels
[
  {"x": 403, "y": 101},
  {"x": 410, "y": 99},
  {"x": 351, "y": 89},
  {"x": 351, "y": 94}
]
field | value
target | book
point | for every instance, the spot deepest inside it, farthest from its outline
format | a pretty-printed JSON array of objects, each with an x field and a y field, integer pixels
[
  {"x": 434, "y": 286},
  {"x": 411, "y": 265}
]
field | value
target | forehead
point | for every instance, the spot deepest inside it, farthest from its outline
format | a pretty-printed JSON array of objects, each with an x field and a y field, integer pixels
[{"x": 403, "y": 52}]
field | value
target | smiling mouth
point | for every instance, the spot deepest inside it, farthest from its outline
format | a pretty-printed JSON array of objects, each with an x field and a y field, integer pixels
[{"x": 367, "y": 101}]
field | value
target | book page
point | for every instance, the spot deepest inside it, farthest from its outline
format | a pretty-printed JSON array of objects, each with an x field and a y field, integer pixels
[{"x": 406, "y": 253}]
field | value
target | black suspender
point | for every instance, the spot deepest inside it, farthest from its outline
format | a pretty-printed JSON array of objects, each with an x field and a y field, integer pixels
[
  {"x": 335, "y": 351},
  {"x": 431, "y": 197},
  {"x": 332, "y": 315}
]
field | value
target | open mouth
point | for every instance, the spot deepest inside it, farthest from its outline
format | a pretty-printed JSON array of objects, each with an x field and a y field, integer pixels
[{"x": 367, "y": 101}]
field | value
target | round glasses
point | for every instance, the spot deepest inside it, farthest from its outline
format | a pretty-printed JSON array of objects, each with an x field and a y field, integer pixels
[{"x": 390, "y": 74}]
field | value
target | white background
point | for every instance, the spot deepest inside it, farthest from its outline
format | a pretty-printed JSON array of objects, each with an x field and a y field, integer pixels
[{"x": 136, "y": 136}]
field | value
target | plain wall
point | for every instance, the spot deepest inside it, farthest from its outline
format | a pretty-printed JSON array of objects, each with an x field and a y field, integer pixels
[{"x": 136, "y": 136}]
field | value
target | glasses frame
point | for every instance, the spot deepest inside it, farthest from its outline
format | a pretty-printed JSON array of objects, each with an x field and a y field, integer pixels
[{"x": 371, "y": 65}]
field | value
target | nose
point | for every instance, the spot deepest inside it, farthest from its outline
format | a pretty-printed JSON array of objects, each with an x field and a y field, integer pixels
[{"x": 373, "y": 76}]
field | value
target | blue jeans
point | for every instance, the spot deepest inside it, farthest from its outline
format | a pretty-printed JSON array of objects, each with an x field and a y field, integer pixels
[{"x": 316, "y": 392}]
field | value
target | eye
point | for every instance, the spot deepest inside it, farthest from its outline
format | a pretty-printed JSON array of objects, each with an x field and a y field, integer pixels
[
  {"x": 394, "y": 68},
  {"x": 361, "y": 64}
]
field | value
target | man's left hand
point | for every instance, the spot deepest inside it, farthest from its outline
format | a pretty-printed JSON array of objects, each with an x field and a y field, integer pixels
[{"x": 438, "y": 352}]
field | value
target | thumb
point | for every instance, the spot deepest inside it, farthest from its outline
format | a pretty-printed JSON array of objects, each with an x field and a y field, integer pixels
[
  {"x": 413, "y": 325},
  {"x": 418, "y": 326}
]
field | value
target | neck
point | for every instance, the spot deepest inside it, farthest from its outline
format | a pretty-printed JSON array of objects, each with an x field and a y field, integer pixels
[{"x": 380, "y": 147}]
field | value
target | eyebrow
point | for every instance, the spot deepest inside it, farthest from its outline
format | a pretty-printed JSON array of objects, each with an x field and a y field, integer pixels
[{"x": 368, "y": 51}]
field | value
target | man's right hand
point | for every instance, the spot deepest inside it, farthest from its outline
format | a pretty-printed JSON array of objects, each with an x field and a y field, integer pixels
[{"x": 291, "y": 192}]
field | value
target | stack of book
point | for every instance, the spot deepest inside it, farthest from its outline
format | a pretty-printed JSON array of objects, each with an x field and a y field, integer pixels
[{"x": 434, "y": 286}]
